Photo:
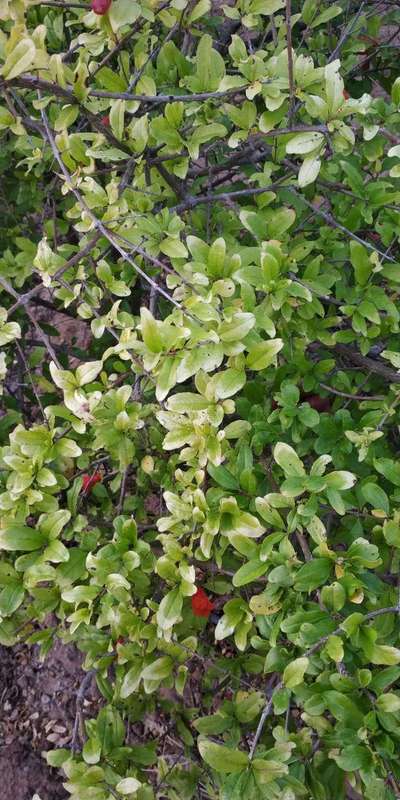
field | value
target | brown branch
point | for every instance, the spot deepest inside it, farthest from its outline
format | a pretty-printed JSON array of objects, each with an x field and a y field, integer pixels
[
  {"x": 31, "y": 381},
  {"x": 66, "y": 6},
  {"x": 101, "y": 228},
  {"x": 290, "y": 60},
  {"x": 346, "y": 33},
  {"x": 42, "y": 335},
  {"x": 122, "y": 493},
  {"x": 31, "y": 82},
  {"x": 333, "y": 223},
  {"x": 80, "y": 696},
  {"x": 351, "y": 396},
  {"x": 370, "y": 364},
  {"x": 25, "y": 298}
]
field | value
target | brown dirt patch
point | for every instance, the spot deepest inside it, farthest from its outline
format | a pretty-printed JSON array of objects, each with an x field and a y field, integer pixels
[{"x": 37, "y": 713}]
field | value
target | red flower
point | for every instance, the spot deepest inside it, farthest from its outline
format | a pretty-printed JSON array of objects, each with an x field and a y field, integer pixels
[
  {"x": 100, "y": 7},
  {"x": 346, "y": 94},
  {"x": 105, "y": 121},
  {"x": 88, "y": 481},
  {"x": 201, "y": 605}
]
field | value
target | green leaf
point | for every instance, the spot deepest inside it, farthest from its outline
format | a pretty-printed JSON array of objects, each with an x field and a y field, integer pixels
[
  {"x": 360, "y": 260},
  {"x": 200, "y": 9},
  {"x": 19, "y": 60},
  {"x": 151, "y": 332},
  {"x": 170, "y": 609},
  {"x": 158, "y": 669},
  {"x": 266, "y": 7},
  {"x": 91, "y": 751},
  {"x": 11, "y": 597},
  {"x": 88, "y": 372},
  {"x": 389, "y": 468},
  {"x": 20, "y": 537},
  {"x": 340, "y": 480},
  {"x": 80, "y": 594},
  {"x": 228, "y": 383},
  {"x": 305, "y": 142},
  {"x": 293, "y": 674},
  {"x": 128, "y": 786},
  {"x": 214, "y": 724},
  {"x": 210, "y": 67},
  {"x": 173, "y": 248},
  {"x": 384, "y": 654},
  {"x": 263, "y": 354},
  {"x": 236, "y": 329},
  {"x": 223, "y": 477},
  {"x": 123, "y": 12},
  {"x": 66, "y": 117},
  {"x": 131, "y": 680},
  {"x": 353, "y": 757},
  {"x": 249, "y": 572},
  {"x": 309, "y": 171},
  {"x": 288, "y": 459},
  {"x": 391, "y": 532},
  {"x": 110, "y": 729},
  {"x": 334, "y": 648},
  {"x": 326, "y": 16},
  {"x": 344, "y": 709},
  {"x": 375, "y": 496},
  {"x": 186, "y": 402},
  {"x": 221, "y": 758},
  {"x": 388, "y": 703},
  {"x": 313, "y": 574}
]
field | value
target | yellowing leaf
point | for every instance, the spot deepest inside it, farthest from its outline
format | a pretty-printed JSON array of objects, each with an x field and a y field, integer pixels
[
  {"x": 19, "y": 60},
  {"x": 294, "y": 672}
]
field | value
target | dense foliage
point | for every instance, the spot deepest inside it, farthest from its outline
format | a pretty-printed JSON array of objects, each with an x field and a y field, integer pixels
[{"x": 202, "y": 492}]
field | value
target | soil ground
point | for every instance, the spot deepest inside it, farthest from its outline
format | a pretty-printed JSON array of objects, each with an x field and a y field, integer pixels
[{"x": 37, "y": 713}]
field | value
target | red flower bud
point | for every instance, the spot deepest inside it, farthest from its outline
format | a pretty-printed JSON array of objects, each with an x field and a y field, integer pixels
[
  {"x": 346, "y": 94},
  {"x": 100, "y": 7},
  {"x": 88, "y": 481},
  {"x": 105, "y": 121},
  {"x": 201, "y": 605}
]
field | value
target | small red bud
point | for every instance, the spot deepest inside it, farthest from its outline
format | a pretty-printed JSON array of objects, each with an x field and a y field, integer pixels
[
  {"x": 100, "y": 7},
  {"x": 105, "y": 121},
  {"x": 88, "y": 481},
  {"x": 346, "y": 94}
]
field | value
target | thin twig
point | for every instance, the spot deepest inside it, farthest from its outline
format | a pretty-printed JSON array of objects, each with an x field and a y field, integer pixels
[
  {"x": 346, "y": 33},
  {"x": 42, "y": 335},
  {"x": 330, "y": 220},
  {"x": 97, "y": 223},
  {"x": 351, "y": 396},
  {"x": 122, "y": 493},
  {"x": 80, "y": 696},
  {"x": 25, "y": 298},
  {"x": 290, "y": 60},
  {"x": 28, "y": 371}
]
